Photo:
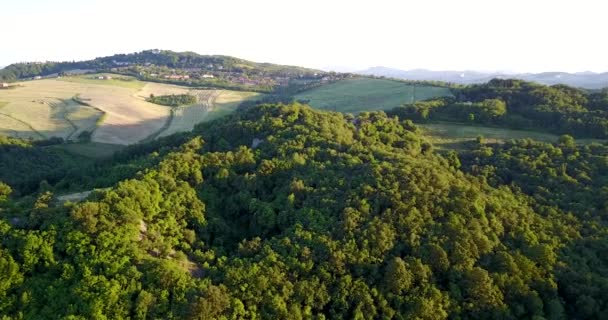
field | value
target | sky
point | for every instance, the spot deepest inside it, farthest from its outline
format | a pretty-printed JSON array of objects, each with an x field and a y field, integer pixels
[{"x": 488, "y": 35}]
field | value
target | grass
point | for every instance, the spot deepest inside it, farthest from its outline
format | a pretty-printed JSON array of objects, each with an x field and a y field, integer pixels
[
  {"x": 2, "y": 104},
  {"x": 367, "y": 94},
  {"x": 45, "y": 108},
  {"x": 228, "y": 101},
  {"x": 15, "y": 128},
  {"x": 81, "y": 117},
  {"x": 48, "y": 108},
  {"x": 185, "y": 118},
  {"x": 128, "y": 119},
  {"x": 117, "y": 80},
  {"x": 213, "y": 104},
  {"x": 455, "y": 136},
  {"x": 44, "y": 115},
  {"x": 74, "y": 197}
]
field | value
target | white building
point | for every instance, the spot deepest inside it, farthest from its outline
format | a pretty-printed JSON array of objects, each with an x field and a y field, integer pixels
[
  {"x": 3, "y": 85},
  {"x": 208, "y": 76}
]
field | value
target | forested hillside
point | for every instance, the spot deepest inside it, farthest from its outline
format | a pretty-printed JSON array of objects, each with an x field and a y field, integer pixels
[
  {"x": 284, "y": 212},
  {"x": 520, "y": 105}
]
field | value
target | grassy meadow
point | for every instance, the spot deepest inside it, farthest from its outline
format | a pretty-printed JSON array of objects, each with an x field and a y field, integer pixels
[
  {"x": 116, "y": 81},
  {"x": 447, "y": 135},
  {"x": 367, "y": 94}
]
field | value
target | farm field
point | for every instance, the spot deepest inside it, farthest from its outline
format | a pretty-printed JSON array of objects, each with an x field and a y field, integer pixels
[
  {"x": 228, "y": 101},
  {"x": 44, "y": 109},
  {"x": 127, "y": 119},
  {"x": 454, "y": 136},
  {"x": 212, "y": 104},
  {"x": 366, "y": 94},
  {"x": 116, "y": 81},
  {"x": 114, "y": 112}
]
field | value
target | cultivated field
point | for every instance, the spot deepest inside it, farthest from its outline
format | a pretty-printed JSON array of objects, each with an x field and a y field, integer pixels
[
  {"x": 44, "y": 109},
  {"x": 366, "y": 94},
  {"x": 186, "y": 117},
  {"x": 227, "y": 102},
  {"x": 114, "y": 111},
  {"x": 127, "y": 119},
  {"x": 116, "y": 81},
  {"x": 211, "y": 104},
  {"x": 160, "y": 89}
]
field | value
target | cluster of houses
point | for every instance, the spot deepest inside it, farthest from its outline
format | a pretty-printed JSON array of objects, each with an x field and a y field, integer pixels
[
  {"x": 252, "y": 81},
  {"x": 104, "y": 77},
  {"x": 211, "y": 72},
  {"x": 176, "y": 76}
]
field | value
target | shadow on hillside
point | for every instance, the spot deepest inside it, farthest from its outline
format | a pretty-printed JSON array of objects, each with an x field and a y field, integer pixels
[{"x": 581, "y": 280}]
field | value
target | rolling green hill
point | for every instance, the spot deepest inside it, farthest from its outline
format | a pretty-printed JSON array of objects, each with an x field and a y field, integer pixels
[{"x": 368, "y": 94}]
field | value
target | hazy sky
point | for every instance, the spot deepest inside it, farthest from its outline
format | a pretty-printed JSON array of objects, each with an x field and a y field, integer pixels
[{"x": 508, "y": 35}]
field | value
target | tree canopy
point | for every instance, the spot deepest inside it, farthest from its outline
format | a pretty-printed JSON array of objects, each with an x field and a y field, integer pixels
[{"x": 284, "y": 212}]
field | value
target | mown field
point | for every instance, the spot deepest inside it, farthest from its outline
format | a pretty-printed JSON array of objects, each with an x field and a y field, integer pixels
[
  {"x": 211, "y": 105},
  {"x": 366, "y": 94},
  {"x": 113, "y": 112},
  {"x": 227, "y": 102},
  {"x": 44, "y": 109},
  {"x": 117, "y": 80}
]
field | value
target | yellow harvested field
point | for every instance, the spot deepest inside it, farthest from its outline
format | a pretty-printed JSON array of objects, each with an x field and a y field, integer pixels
[
  {"x": 228, "y": 101},
  {"x": 185, "y": 118},
  {"x": 83, "y": 118},
  {"x": 213, "y": 104},
  {"x": 17, "y": 129},
  {"x": 42, "y": 107},
  {"x": 159, "y": 89},
  {"x": 229, "y": 98},
  {"x": 127, "y": 119},
  {"x": 114, "y": 111},
  {"x": 46, "y": 108}
]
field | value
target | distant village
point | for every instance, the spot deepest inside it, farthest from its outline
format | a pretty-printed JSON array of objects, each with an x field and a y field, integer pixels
[
  {"x": 207, "y": 75},
  {"x": 215, "y": 73}
]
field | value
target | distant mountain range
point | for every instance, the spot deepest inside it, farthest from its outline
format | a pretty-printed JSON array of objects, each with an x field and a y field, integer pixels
[{"x": 588, "y": 80}]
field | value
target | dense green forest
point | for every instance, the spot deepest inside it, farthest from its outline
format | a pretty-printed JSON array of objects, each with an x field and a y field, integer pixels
[
  {"x": 520, "y": 105},
  {"x": 284, "y": 212},
  {"x": 173, "y": 100}
]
